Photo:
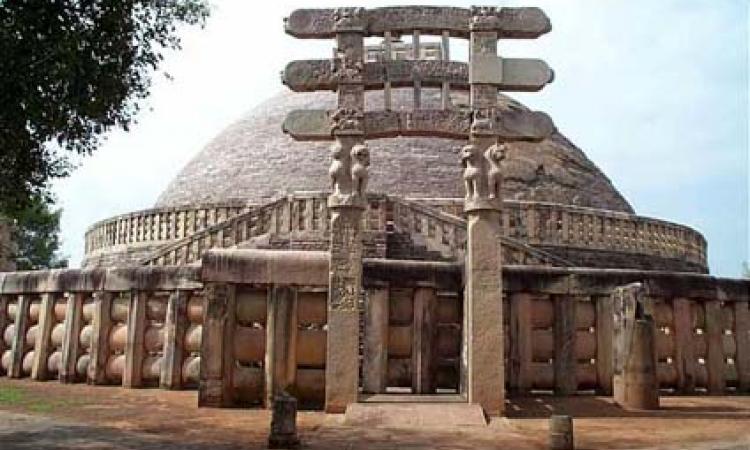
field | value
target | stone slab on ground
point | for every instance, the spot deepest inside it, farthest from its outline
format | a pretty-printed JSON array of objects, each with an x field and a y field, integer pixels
[{"x": 414, "y": 415}]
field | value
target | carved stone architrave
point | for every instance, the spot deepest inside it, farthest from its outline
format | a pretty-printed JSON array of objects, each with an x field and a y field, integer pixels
[
  {"x": 511, "y": 125},
  {"x": 515, "y": 23},
  {"x": 508, "y": 74}
]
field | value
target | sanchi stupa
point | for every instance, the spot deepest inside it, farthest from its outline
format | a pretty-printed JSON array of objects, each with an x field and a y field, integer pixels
[{"x": 390, "y": 223}]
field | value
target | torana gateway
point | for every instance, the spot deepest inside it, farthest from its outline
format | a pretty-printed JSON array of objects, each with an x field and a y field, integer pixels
[{"x": 416, "y": 231}]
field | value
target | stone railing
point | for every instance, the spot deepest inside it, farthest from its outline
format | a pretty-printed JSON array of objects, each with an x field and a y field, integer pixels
[
  {"x": 149, "y": 326},
  {"x": 559, "y": 328},
  {"x": 560, "y": 324},
  {"x": 446, "y": 233},
  {"x": 158, "y": 224},
  {"x": 132, "y": 327},
  {"x": 557, "y": 233},
  {"x": 548, "y": 225},
  {"x": 300, "y": 221},
  {"x": 265, "y": 327},
  {"x": 565, "y": 228}
]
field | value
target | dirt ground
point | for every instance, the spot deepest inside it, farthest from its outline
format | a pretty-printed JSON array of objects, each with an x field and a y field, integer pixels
[{"x": 55, "y": 416}]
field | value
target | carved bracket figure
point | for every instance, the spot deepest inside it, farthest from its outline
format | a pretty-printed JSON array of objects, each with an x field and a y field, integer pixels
[
  {"x": 495, "y": 155},
  {"x": 338, "y": 170},
  {"x": 472, "y": 171},
  {"x": 360, "y": 162},
  {"x": 349, "y": 172}
]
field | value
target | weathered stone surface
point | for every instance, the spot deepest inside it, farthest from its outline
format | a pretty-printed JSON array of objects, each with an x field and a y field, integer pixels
[
  {"x": 512, "y": 124},
  {"x": 561, "y": 433},
  {"x": 254, "y": 161},
  {"x": 344, "y": 292},
  {"x": 284, "y": 422},
  {"x": 308, "y": 268},
  {"x": 508, "y": 22},
  {"x": 635, "y": 381},
  {"x": 485, "y": 376},
  {"x": 522, "y": 75}
]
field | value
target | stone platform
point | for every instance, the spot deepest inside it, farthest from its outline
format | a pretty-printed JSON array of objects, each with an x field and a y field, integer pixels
[{"x": 414, "y": 411}]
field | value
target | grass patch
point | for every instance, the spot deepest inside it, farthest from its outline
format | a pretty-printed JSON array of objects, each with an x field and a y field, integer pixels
[
  {"x": 14, "y": 397},
  {"x": 42, "y": 407},
  {"x": 11, "y": 396}
]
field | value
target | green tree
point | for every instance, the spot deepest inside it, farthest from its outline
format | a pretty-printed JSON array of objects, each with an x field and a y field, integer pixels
[
  {"x": 36, "y": 231},
  {"x": 70, "y": 70}
]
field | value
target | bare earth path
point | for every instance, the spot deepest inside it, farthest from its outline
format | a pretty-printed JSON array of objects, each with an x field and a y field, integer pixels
[{"x": 55, "y": 416}]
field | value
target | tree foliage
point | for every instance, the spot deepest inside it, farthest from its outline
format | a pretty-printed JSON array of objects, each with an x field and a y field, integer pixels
[
  {"x": 35, "y": 234},
  {"x": 70, "y": 71}
]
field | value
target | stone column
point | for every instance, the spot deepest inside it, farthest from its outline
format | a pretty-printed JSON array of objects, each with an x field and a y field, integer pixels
[
  {"x": 635, "y": 382},
  {"x": 485, "y": 377},
  {"x": 347, "y": 202}
]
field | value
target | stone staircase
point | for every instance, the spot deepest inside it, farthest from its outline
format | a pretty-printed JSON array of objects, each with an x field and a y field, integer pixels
[
  {"x": 415, "y": 231},
  {"x": 402, "y": 245}
]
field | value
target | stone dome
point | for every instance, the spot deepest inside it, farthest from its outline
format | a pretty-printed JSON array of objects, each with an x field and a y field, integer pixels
[{"x": 254, "y": 161}]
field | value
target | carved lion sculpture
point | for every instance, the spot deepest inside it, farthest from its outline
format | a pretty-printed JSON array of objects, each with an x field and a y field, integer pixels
[
  {"x": 337, "y": 171},
  {"x": 360, "y": 161},
  {"x": 495, "y": 155},
  {"x": 471, "y": 170}
]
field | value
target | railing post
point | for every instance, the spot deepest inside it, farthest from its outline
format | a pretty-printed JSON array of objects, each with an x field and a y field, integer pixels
[
  {"x": 684, "y": 356},
  {"x": 18, "y": 347},
  {"x": 715, "y": 364},
  {"x": 175, "y": 325},
  {"x": 565, "y": 343},
  {"x": 375, "y": 357},
  {"x": 424, "y": 337},
  {"x": 742, "y": 337},
  {"x": 217, "y": 349},
  {"x": 5, "y": 321},
  {"x": 134, "y": 350},
  {"x": 281, "y": 341},
  {"x": 604, "y": 330},
  {"x": 71, "y": 338},
  {"x": 521, "y": 352},
  {"x": 100, "y": 327},
  {"x": 42, "y": 346}
]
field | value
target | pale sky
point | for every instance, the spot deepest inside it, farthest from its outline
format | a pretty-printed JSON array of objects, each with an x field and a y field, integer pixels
[{"x": 655, "y": 93}]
